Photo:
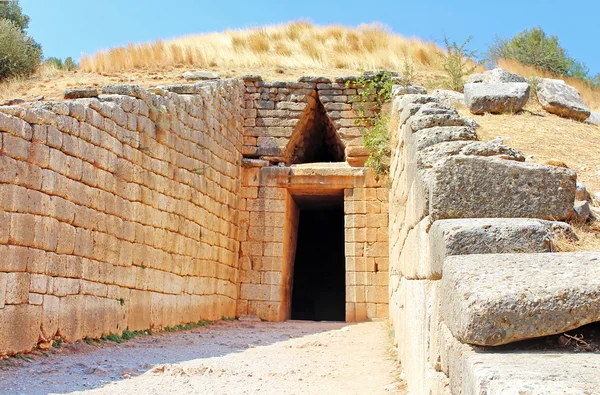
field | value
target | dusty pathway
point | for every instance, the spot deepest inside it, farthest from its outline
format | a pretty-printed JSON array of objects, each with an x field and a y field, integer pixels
[{"x": 224, "y": 358}]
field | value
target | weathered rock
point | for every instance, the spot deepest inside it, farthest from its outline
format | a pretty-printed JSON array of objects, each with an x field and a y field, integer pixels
[
  {"x": 319, "y": 80},
  {"x": 180, "y": 88},
  {"x": 582, "y": 211},
  {"x": 476, "y": 78},
  {"x": 418, "y": 122},
  {"x": 501, "y": 76},
  {"x": 496, "y": 299},
  {"x": 484, "y": 187},
  {"x": 594, "y": 118},
  {"x": 252, "y": 77},
  {"x": 399, "y": 90},
  {"x": 492, "y": 148},
  {"x": 408, "y": 111},
  {"x": 496, "y": 98},
  {"x": 428, "y": 137},
  {"x": 81, "y": 93},
  {"x": 125, "y": 89},
  {"x": 449, "y": 98},
  {"x": 582, "y": 193},
  {"x": 19, "y": 328},
  {"x": 403, "y": 101},
  {"x": 492, "y": 236},
  {"x": 561, "y": 99},
  {"x": 200, "y": 75}
]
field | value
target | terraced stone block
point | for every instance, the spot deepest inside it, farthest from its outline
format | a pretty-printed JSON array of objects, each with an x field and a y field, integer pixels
[{"x": 495, "y": 299}]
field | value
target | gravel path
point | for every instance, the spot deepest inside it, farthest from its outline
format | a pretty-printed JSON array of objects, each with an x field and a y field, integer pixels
[{"x": 236, "y": 357}]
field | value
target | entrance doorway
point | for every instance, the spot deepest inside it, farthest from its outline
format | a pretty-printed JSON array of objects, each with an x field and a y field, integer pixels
[{"x": 319, "y": 274}]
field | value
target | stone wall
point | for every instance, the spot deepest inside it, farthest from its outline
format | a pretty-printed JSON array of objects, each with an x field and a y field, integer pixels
[
  {"x": 119, "y": 212},
  {"x": 277, "y": 111},
  {"x": 453, "y": 195},
  {"x": 269, "y": 222}
]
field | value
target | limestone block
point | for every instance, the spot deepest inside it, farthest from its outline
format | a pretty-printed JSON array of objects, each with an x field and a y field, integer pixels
[
  {"x": 50, "y": 314},
  {"x": 486, "y": 187},
  {"x": 139, "y": 316},
  {"x": 428, "y": 137},
  {"x": 418, "y": 298},
  {"x": 496, "y": 98},
  {"x": 17, "y": 288},
  {"x": 561, "y": 99},
  {"x": 3, "y": 284},
  {"x": 489, "y": 236},
  {"x": 19, "y": 328},
  {"x": 13, "y": 258},
  {"x": 15, "y": 126},
  {"x": 501, "y": 298}
]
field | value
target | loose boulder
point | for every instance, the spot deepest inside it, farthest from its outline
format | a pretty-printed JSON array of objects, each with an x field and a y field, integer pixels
[
  {"x": 496, "y": 98},
  {"x": 561, "y": 99},
  {"x": 594, "y": 119},
  {"x": 501, "y": 76}
]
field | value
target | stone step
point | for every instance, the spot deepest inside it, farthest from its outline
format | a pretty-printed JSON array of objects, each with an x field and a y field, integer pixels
[{"x": 496, "y": 299}]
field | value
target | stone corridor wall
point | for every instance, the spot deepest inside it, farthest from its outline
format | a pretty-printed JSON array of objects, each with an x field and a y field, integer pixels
[
  {"x": 454, "y": 195},
  {"x": 119, "y": 212}
]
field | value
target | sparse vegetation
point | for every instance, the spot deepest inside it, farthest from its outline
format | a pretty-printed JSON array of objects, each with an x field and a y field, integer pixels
[
  {"x": 533, "y": 47},
  {"x": 68, "y": 64},
  {"x": 376, "y": 133},
  {"x": 457, "y": 63}
]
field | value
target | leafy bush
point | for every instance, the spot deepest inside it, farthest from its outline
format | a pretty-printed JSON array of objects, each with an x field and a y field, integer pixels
[
  {"x": 457, "y": 63},
  {"x": 20, "y": 55},
  {"x": 12, "y": 11},
  {"x": 535, "y": 48},
  {"x": 375, "y": 87}
]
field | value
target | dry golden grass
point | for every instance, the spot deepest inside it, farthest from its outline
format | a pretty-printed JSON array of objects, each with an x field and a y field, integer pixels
[
  {"x": 548, "y": 138},
  {"x": 588, "y": 238},
  {"x": 552, "y": 140},
  {"x": 294, "y": 45},
  {"x": 590, "y": 95}
]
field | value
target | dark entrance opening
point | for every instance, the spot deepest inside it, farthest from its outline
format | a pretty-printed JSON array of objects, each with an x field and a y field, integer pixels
[{"x": 319, "y": 279}]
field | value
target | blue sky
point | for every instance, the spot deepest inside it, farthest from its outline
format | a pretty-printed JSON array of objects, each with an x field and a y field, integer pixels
[{"x": 76, "y": 27}]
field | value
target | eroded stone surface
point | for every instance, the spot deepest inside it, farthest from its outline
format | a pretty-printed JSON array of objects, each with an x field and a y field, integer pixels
[
  {"x": 488, "y": 187},
  {"x": 496, "y": 299},
  {"x": 492, "y": 236},
  {"x": 561, "y": 99},
  {"x": 496, "y": 98}
]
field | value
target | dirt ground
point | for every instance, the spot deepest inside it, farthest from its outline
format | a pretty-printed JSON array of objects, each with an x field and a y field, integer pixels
[{"x": 237, "y": 357}]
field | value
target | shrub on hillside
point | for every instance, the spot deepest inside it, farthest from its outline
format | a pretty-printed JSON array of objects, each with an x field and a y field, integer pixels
[
  {"x": 535, "y": 48},
  {"x": 68, "y": 64},
  {"x": 457, "y": 63},
  {"x": 20, "y": 55}
]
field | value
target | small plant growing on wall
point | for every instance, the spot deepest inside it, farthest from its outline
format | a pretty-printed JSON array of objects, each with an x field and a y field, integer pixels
[{"x": 374, "y": 91}]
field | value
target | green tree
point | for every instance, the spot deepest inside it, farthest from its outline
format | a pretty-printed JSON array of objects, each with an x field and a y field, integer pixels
[
  {"x": 19, "y": 54},
  {"x": 535, "y": 48},
  {"x": 12, "y": 11}
]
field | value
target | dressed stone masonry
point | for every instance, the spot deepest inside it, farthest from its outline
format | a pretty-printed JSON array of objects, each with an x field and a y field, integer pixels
[
  {"x": 452, "y": 199},
  {"x": 143, "y": 208},
  {"x": 118, "y": 212},
  {"x": 146, "y": 208}
]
